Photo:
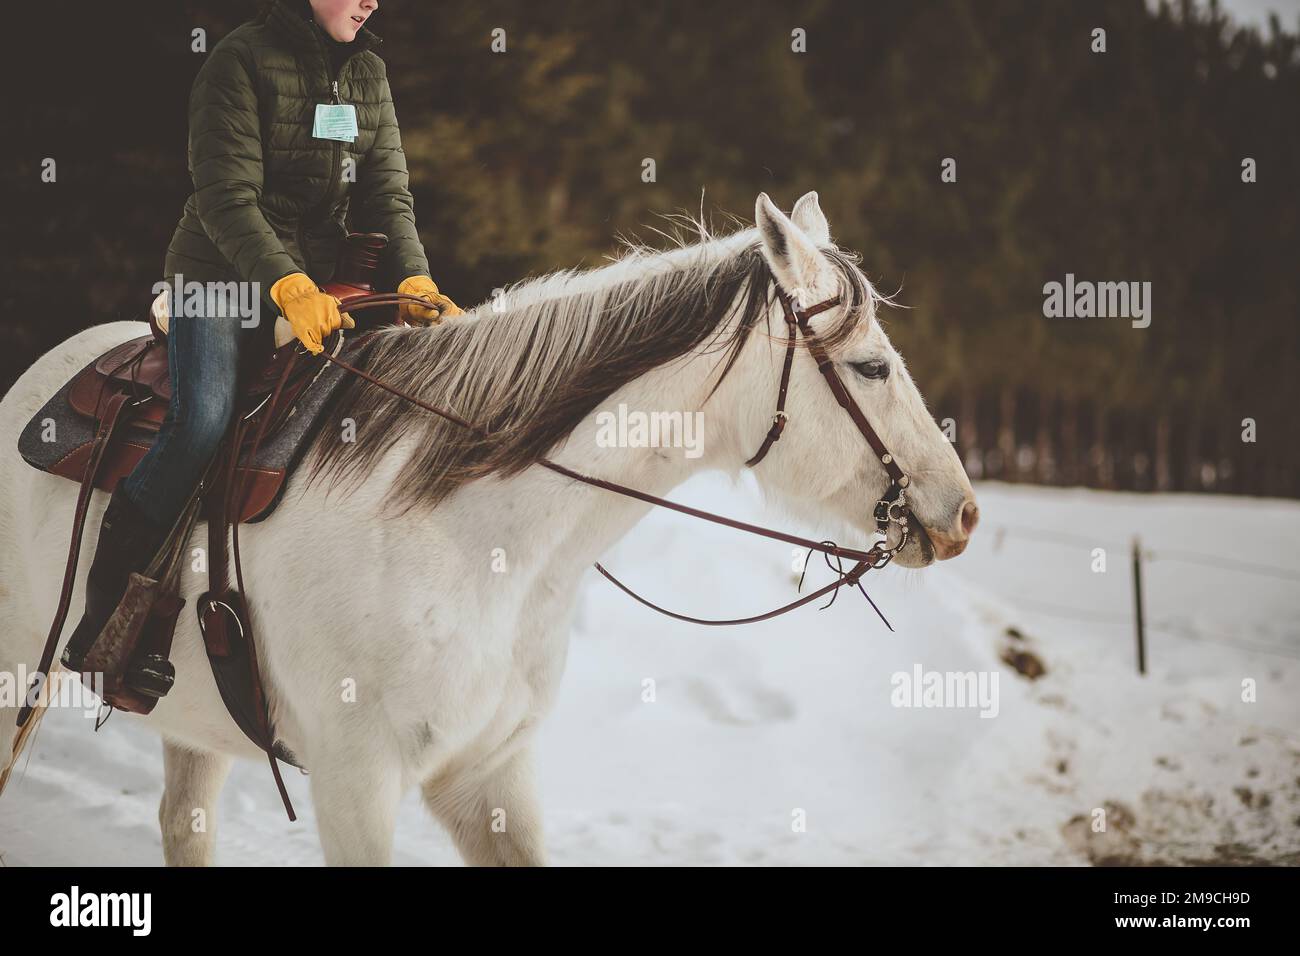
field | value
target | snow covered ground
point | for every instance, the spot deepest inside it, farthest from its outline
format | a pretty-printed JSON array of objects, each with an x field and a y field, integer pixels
[{"x": 780, "y": 743}]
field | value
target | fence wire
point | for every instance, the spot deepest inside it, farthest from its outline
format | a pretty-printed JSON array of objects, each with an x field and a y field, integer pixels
[{"x": 1165, "y": 626}]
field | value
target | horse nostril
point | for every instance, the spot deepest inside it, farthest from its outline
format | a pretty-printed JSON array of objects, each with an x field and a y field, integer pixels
[{"x": 970, "y": 517}]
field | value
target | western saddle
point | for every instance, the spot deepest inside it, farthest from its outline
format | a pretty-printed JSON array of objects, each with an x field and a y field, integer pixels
[{"x": 112, "y": 410}]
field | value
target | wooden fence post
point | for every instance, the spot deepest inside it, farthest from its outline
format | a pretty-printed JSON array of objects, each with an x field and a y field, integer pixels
[{"x": 1137, "y": 605}]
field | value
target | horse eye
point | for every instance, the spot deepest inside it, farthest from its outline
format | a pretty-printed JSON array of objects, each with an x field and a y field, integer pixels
[{"x": 874, "y": 368}]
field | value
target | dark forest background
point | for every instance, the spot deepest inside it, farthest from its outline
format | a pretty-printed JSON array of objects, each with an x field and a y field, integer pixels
[{"x": 1122, "y": 166}]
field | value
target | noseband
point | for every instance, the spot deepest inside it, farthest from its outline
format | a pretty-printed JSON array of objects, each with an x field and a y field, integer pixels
[{"x": 891, "y": 510}]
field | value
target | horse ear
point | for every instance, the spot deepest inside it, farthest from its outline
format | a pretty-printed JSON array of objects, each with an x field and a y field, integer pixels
[
  {"x": 808, "y": 216},
  {"x": 790, "y": 254}
]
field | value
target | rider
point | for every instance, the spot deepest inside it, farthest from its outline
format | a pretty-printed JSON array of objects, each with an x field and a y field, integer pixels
[{"x": 291, "y": 122}]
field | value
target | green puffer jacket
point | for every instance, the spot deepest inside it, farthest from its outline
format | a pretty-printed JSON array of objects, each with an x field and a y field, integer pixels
[{"x": 269, "y": 198}]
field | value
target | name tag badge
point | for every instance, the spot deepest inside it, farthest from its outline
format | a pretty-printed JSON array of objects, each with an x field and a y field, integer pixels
[{"x": 335, "y": 121}]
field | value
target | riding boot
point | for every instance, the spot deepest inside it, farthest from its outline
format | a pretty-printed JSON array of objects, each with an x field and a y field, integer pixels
[{"x": 128, "y": 540}]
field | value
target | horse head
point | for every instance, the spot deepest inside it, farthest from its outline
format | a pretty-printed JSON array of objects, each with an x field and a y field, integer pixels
[{"x": 822, "y": 464}]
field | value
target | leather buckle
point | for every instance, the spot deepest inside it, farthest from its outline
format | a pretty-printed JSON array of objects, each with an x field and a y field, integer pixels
[{"x": 892, "y": 510}]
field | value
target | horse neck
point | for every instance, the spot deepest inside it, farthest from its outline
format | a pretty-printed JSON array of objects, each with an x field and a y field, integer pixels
[{"x": 556, "y": 523}]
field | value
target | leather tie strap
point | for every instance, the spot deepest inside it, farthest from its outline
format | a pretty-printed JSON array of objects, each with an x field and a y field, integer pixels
[
  {"x": 235, "y": 509},
  {"x": 107, "y": 427},
  {"x": 220, "y": 606}
]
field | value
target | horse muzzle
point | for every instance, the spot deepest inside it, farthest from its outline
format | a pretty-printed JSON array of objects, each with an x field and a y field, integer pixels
[{"x": 952, "y": 541}]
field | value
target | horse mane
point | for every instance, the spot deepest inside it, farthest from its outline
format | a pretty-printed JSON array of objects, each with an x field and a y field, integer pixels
[{"x": 528, "y": 366}]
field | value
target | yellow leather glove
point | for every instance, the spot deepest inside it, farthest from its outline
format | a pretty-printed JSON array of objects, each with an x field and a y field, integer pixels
[
  {"x": 312, "y": 313},
  {"x": 441, "y": 308}
]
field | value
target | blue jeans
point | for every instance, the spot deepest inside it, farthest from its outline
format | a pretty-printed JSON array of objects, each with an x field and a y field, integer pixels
[{"x": 203, "y": 356}]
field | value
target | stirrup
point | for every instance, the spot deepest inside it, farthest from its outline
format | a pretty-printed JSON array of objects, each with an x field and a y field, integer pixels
[{"x": 153, "y": 675}]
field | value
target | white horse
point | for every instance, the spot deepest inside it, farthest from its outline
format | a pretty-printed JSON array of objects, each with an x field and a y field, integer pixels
[{"x": 463, "y": 560}]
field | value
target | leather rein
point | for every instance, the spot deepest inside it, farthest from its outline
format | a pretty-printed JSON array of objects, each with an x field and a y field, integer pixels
[{"x": 891, "y": 511}]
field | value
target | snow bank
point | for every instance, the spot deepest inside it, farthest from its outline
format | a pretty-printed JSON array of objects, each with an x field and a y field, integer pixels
[{"x": 781, "y": 743}]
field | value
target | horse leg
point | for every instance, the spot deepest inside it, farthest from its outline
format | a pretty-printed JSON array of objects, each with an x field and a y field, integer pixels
[
  {"x": 188, "y": 810},
  {"x": 494, "y": 818},
  {"x": 355, "y": 793}
]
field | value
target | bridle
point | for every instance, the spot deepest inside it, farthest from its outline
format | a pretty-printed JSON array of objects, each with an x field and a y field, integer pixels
[
  {"x": 891, "y": 512},
  {"x": 892, "y": 508}
]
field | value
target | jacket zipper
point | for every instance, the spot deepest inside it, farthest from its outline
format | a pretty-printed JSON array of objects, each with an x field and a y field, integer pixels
[{"x": 336, "y": 166}]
